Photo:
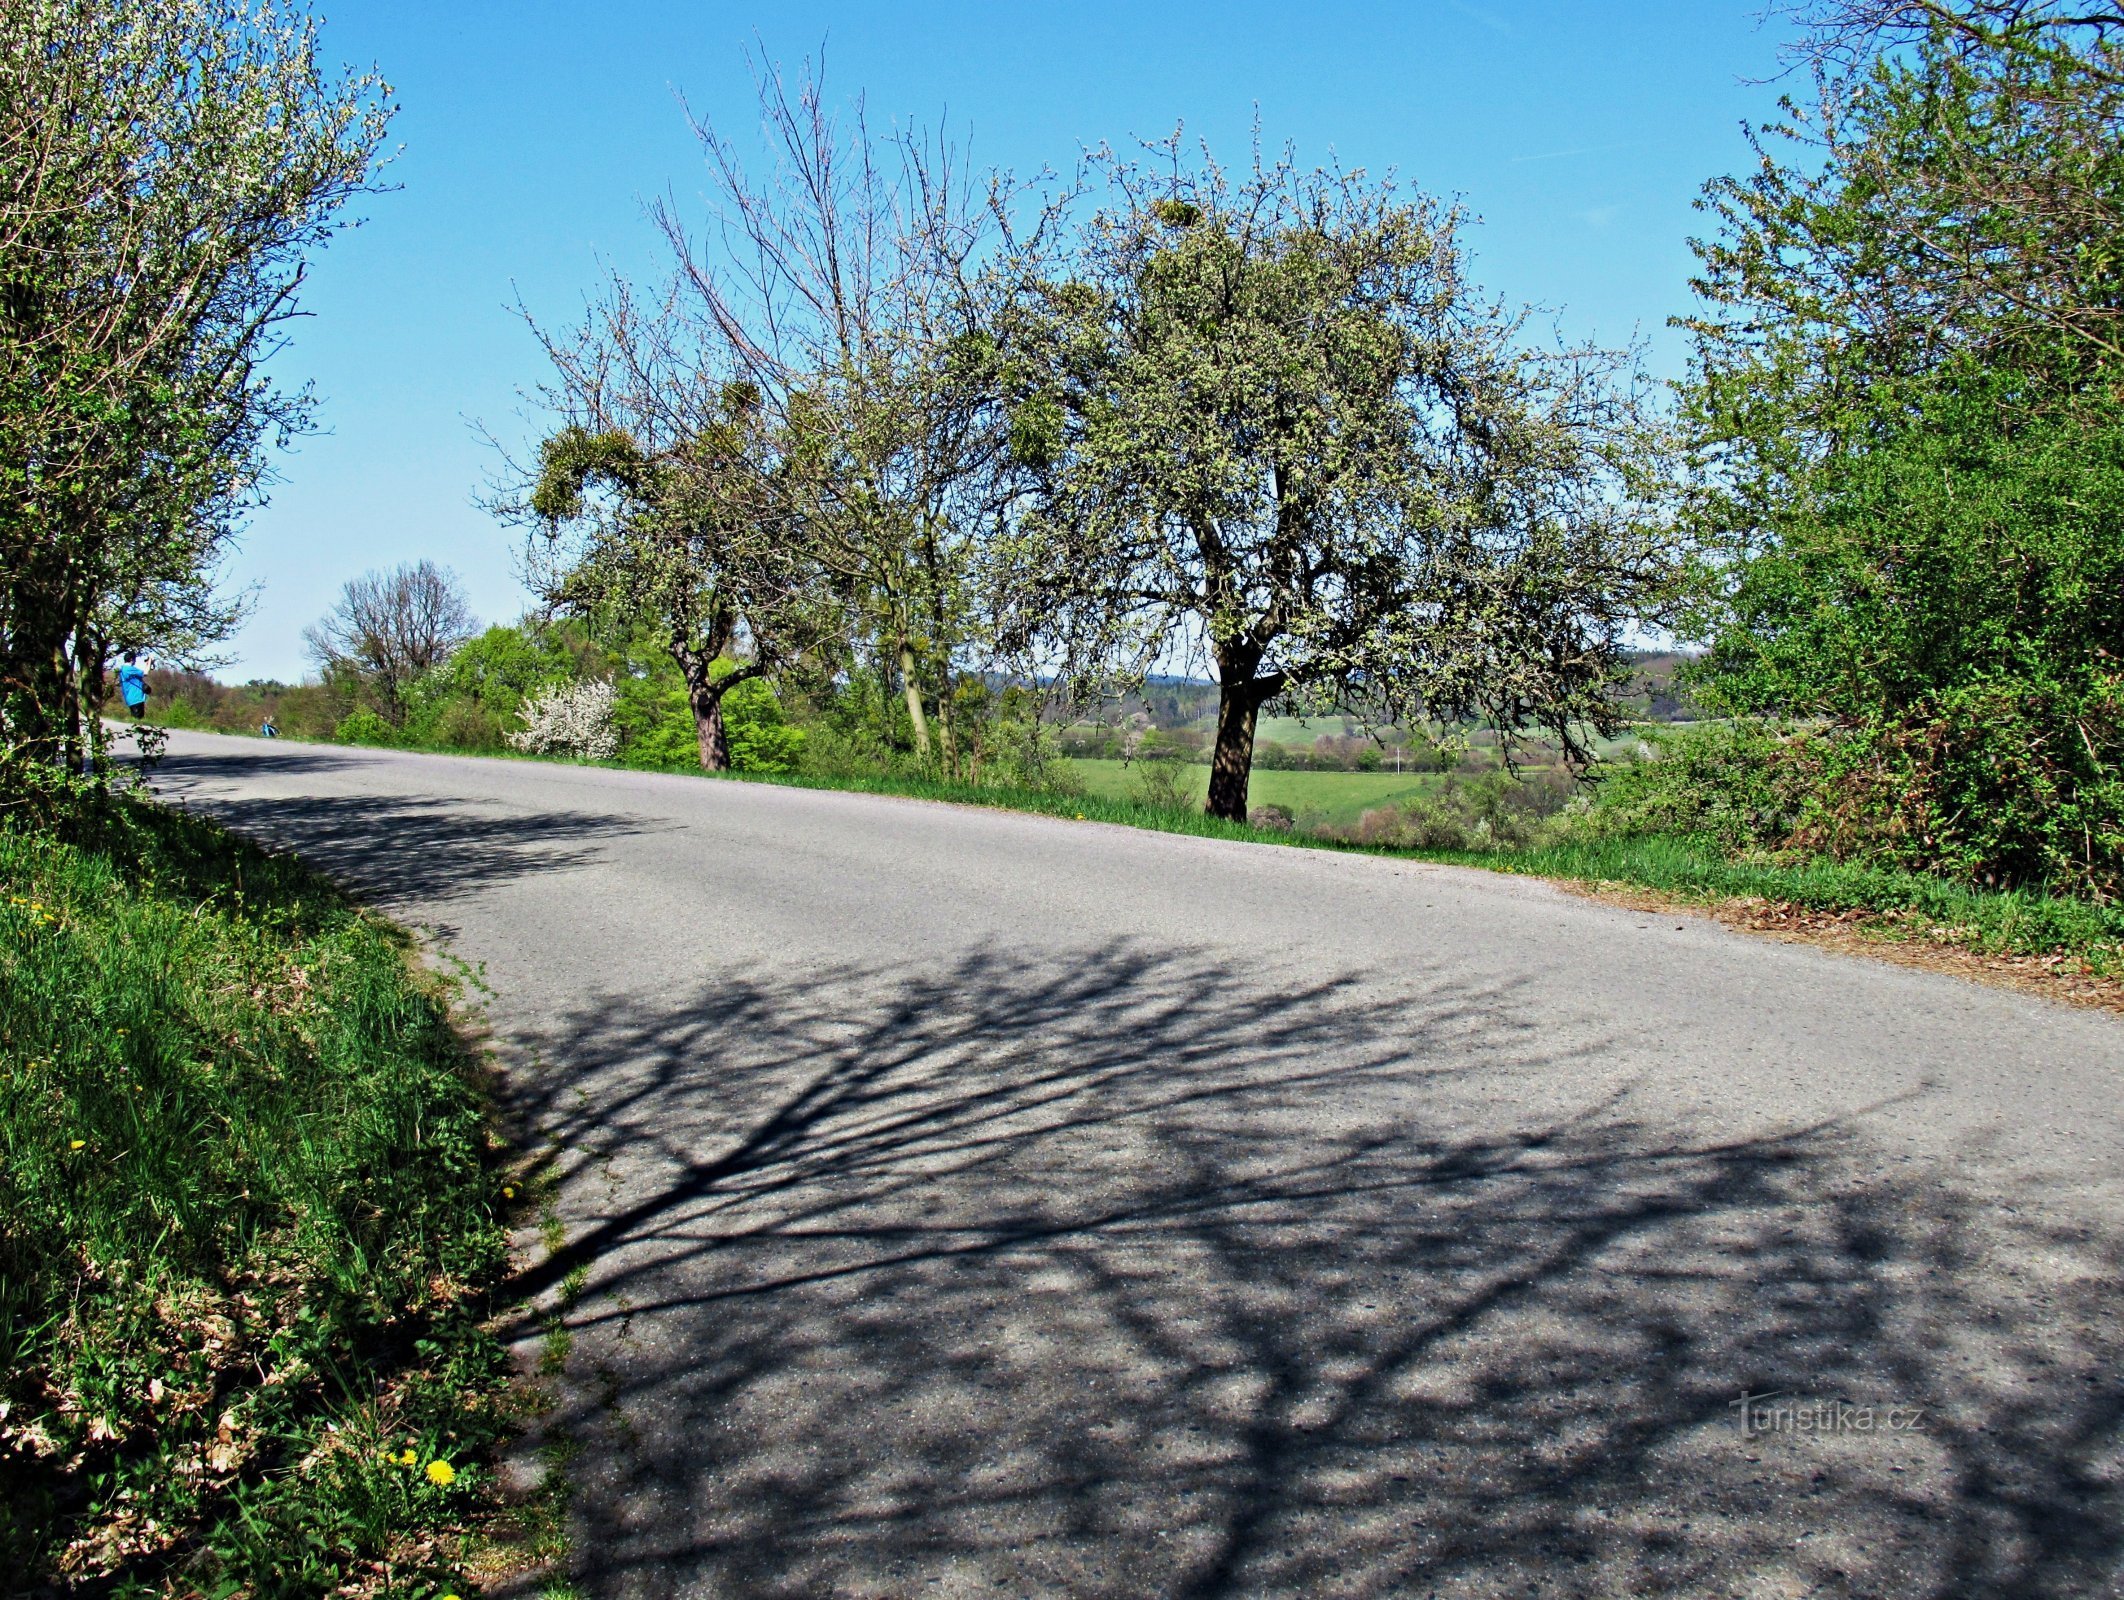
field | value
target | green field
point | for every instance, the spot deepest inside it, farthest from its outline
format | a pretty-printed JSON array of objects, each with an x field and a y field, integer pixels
[{"x": 1317, "y": 797}]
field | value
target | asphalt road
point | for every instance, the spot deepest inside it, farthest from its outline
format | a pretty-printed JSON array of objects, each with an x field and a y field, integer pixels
[{"x": 978, "y": 1204}]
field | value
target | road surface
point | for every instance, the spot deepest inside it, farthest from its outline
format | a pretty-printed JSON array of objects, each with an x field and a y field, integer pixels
[{"x": 980, "y": 1204}]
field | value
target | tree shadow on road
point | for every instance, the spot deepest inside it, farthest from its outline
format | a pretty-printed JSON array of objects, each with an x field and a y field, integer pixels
[
  {"x": 1134, "y": 1276},
  {"x": 388, "y": 846}
]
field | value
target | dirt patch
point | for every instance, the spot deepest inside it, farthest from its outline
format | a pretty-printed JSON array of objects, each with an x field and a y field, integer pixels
[{"x": 1885, "y": 936}]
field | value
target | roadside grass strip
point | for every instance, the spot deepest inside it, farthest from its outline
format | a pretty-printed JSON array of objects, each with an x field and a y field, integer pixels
[
  {"x": 1884, "y": 902},
  {"x": 1876, "y": 904},
  {"x": 250, "y": 1225},
  {"x": 1881, "y": 903}
]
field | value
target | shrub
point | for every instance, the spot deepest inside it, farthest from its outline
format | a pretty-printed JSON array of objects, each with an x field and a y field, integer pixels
[
  {"x": 1992, "y": 786},
  {"x": 1491, "y": 812},
  {"x": 654, "y": 721},
  {"x": 1731, "y": 785},
  {"x": 1158, "y": 782},
  {"x": 364, "y": 726}
]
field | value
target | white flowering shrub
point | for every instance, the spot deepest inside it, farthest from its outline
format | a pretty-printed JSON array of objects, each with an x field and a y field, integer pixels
[{"x": 572, "y": 719}]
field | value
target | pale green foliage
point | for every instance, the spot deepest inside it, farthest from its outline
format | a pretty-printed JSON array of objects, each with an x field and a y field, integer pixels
[
  {"x": 165, "y": 168},
  {"x": 1276, "y": 418}
]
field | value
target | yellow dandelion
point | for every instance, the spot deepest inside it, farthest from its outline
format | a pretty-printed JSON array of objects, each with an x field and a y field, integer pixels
[
  {"x": 441, "y": 1474},
  {"x": 409, "y": 1458},
  {"x": 75, "y": 1144},
  {"x": 508, "y": 1191}
]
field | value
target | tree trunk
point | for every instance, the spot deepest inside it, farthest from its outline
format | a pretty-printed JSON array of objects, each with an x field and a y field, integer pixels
[
  {"x": 696, "y": 655},
  {"x": 708, "y": 726},
  {"x": 947, "y": 739},
  {"x": 704, "y": 694},
  {"x": 34, "y": 669},
  {"x": 914, "y": 702},
  {"x": 1232, "y": 764},
  {"x": 1239, "y": 699}
]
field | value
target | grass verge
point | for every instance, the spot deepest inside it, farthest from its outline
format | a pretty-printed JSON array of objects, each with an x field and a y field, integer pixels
[
  {"x": 2022, "y": 936},
  {"x": 249, "y": 1228},
  {"x": 2037, "y": 934}
]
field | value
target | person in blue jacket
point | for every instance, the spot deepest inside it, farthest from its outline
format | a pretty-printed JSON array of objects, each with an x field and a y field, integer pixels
[{"x": 133, "y": 685}]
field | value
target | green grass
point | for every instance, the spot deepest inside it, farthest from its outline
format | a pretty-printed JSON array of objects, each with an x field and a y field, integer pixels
[
  {"x": 248, "y": 1227},
  {"x": 1324, "y": 798},
  {"x": 1908, "y": 904}
]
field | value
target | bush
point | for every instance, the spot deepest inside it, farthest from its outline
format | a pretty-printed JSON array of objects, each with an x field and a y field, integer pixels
[
  {"x": 1491, "y": 812},
  {"x": 469, "y": 725},
  {"x": 1988, "y": 789},
  {"x": 364, "y": 726},
  {"x": 654, "y": 721},
  {"x": 1158, "y": 783},
  {"x": 1729, "y": 785},
  {"x": 1932, "y": 639}
]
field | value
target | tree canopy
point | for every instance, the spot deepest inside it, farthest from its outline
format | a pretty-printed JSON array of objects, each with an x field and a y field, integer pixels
[
  {"x": 1277, "y": 421},
  {"x": 166, "y": 169},
  {"x": 1904, "y": 408}
]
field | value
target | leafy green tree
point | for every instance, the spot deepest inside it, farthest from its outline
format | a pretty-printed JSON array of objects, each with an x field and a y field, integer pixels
[
  {"x": 475, "y": 699},
  {"x": 1908, "y": 452},
  {"x": 685, "y": 537},
  {"x": 166, "y": 168},
  {"x": 844, "y": 295},
  {"x": 1281, "y": 428},
  {"x": 653, "y": 716}
]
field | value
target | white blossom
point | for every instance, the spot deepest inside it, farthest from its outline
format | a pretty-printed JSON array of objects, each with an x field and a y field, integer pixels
[{"x": 572, "y": 719}]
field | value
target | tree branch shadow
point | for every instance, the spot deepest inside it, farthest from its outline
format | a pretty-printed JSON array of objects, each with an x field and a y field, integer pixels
[
  {"x": 1132, "y": 1275},
  {"x": 390, "y": 847}
]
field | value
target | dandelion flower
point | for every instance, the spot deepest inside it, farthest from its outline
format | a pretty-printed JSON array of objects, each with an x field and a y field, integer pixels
[
  {"x": 408, "y": 1458},
  {"x": 508, "y": 1191},
  {"x": 75, "y": 1144},
  {"x": 441, "y": 1474}
]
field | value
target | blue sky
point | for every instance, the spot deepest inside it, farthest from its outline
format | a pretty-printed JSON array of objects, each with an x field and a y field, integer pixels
[{"x": 533, "y": 133}]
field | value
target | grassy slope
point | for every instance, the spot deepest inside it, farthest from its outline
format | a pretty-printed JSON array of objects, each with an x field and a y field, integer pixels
[{"x": 248, "y": 1221}]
